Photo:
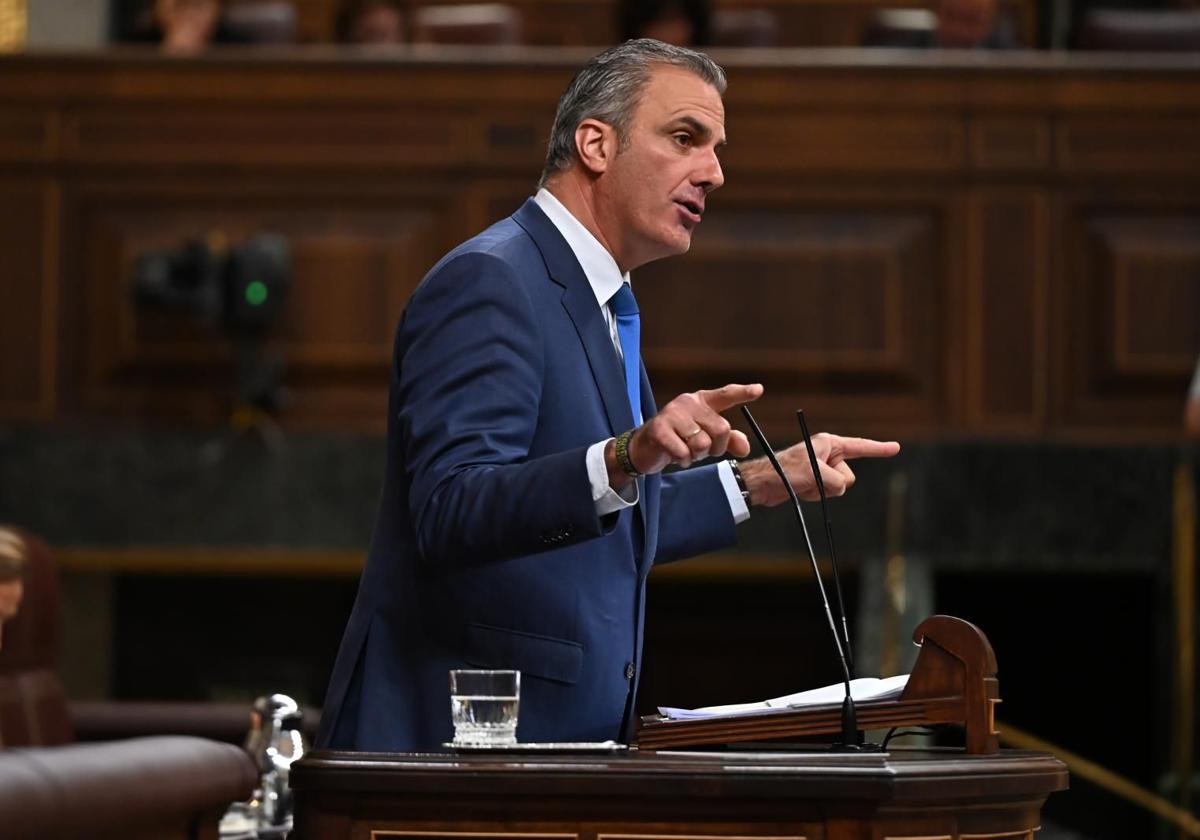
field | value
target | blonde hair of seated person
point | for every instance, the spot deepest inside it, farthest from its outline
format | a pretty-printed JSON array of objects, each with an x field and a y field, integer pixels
[
  {"x": 1191, "y": 409},
  {"x": 13, "y": 559}
]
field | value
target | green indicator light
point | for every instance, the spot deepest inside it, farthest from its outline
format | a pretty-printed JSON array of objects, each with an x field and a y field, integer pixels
[{"x": 256, "y": 293}]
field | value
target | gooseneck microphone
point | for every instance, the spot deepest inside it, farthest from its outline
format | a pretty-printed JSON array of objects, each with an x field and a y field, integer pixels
[
  {"x": 837, "y": 578},
  {"x": 850, "y": 740}
]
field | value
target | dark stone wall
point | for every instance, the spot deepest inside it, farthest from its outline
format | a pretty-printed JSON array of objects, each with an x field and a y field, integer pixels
[
  {"x": 971, "y": 503},
  {"x": 1060, "y": 552}
]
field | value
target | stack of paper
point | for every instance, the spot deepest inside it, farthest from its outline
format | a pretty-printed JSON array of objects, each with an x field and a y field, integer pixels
[{"x": 863, "y": 689}]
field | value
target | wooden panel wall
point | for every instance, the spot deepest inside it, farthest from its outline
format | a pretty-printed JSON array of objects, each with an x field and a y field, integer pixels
[{"x": 920, "y": 247}]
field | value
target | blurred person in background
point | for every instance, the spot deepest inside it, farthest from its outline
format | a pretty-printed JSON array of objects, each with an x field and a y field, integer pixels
[
  {"x": 1191, "y": 410},
  {"x": 684, "y": 23},
  {"x": 186, "y": 25},
  {"x": 953, "y": 24},
  {"x": 371, "y": 22},
  {"x": 183, "y": 26},
  {"x": 189, "y": 26},
  {"x": 12, "y": 575},
  {"x": 969, "y": 24}
]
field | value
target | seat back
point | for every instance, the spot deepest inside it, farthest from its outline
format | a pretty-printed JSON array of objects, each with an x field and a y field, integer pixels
[
  {"x": 753, "y": 27},
  {"x": 33, "y": 702},
  {"x": 903, "y": 28},
  {"x": 261, "y": 21},
  {"x": 469, "y": 23},
  {"x": 1141, "y": 30}
]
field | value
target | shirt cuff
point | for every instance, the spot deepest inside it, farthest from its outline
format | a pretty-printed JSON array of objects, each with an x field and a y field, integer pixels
[
  {"x": 737, "y": 505},
  {"x": 607, "y": 499}
]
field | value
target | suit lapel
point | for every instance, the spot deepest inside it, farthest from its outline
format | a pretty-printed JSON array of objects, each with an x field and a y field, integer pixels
[{"x": 580, "y": 304}]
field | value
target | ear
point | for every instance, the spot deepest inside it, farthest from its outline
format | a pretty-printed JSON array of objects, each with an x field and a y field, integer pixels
[{"x": 595, "y": 145}]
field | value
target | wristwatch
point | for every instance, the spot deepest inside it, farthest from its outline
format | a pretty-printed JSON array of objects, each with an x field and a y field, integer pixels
[{"x": 740, "y": 479}]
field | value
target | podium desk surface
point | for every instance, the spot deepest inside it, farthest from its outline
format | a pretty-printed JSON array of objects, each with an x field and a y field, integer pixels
[{"x": 694, "y": 790}]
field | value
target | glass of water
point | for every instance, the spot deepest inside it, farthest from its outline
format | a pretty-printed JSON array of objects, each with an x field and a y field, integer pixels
[{"x": 483, "y": 706}]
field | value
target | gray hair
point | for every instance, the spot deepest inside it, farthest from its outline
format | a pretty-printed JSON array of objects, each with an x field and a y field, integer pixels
[{"x": 609, "y": 87}]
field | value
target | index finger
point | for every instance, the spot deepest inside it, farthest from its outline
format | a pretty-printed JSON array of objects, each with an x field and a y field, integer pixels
[
  {"x": 844, "y": 448},
  {"x": 720, "y": 399}
]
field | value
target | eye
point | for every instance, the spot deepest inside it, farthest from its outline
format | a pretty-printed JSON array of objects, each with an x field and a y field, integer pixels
[{"x": 682, "y": 139}]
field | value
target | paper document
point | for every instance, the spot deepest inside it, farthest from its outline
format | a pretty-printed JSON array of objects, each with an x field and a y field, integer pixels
[{"x": 862, "y": 689}]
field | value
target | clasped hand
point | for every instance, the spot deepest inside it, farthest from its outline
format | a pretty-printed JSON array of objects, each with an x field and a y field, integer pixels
[{"x": 690, "y": 428}]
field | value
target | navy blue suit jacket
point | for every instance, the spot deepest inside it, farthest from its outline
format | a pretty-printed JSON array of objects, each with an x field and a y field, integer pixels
[{"x": 487, "y": 549}]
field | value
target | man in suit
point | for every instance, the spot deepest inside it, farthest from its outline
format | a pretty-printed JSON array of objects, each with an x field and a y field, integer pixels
[{"x": 524, "y": 504}]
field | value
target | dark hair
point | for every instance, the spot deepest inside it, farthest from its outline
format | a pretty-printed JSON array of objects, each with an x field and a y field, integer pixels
[
  {"x": 634, "y": 15},
  {"x": 609, "y": 87},
  {"x": 350, "y": 10}
]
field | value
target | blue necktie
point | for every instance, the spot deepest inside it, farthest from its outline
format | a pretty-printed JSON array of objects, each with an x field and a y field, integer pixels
[{"x": 629, "y": 330}]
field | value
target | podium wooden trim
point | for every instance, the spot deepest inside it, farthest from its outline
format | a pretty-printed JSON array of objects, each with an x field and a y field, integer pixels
[
  {"x": 953, "y": 681},
  {"x": 694, "y": 795}
]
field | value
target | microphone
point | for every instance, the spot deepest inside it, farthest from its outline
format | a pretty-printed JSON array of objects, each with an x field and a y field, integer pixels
[
  {"x": 850, "y": 736},
  {"x": 837, "y": 579}
]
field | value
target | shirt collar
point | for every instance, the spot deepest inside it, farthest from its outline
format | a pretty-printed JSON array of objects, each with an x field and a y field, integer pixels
[{"x": 597, "y": 263}]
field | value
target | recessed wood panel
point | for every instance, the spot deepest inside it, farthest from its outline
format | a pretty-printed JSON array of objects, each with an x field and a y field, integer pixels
[
  {"x": 269, "y": 135},
  {"x": 1007, "y": 300},
  {"x": 26, "y": 133},
  {"x": 790, "y": 291},
  {"x": 836, "y": 141},
  {"x": 354, "y": 261},
  {"x": 28, "y": 229},
  {"x": 1129, "y": 312},
  {"x": 1150, "y": 144},
  {"x": 829, "y": 306},
  {"x": 905, "y": 217},
  {"x": 606, "y": 835},
  {"x": 381, "y": 833},
  {"x": 1010, "y": 143},
  {"x": 1155, "y": 294},
  {"x": 1149, "y": 272}
]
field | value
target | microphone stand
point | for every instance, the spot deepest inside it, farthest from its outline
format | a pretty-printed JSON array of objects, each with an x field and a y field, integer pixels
[
  {"x": 837, "y": 579},
  {"x": 850, "y": 736}
]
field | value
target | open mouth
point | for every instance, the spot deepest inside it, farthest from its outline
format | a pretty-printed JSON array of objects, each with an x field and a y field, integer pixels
[{"x": 692, "y": 210}]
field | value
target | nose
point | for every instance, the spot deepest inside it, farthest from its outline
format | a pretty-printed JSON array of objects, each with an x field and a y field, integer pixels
[{"x": 709, "y": 175}]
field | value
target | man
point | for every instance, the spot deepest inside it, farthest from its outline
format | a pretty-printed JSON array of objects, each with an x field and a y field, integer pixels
[
  {"x": 955, "y": 24},
  {"x": 370, "y": 22},
  {"x": 524, "y": 503},
  {"x": 970, "y": 24}
]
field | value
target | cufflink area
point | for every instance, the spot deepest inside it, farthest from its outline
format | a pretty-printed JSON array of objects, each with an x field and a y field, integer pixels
[{"x": 557, "y": 535}]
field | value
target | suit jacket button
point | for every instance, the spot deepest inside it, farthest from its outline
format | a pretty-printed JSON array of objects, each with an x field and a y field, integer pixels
[{"x": 628, "y": 670}]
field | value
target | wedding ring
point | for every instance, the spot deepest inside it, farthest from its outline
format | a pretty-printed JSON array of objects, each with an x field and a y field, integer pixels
[{"x": 692, "y": 433}]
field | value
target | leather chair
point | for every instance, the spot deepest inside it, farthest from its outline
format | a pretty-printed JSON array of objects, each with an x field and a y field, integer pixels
[
  {"x": 161, "y": 788},
  {"x": 901, "y": 28},
  {"x": 261, "y": 21},
  {"x": 1143, "y": 31},
  {"x": 33, "y": 703},
  {"x": 745, "y": 28},
  {"x": 50, "y": 787},
  {"x": 470, "y": 23},
  {"x": 35, "y": 710}
]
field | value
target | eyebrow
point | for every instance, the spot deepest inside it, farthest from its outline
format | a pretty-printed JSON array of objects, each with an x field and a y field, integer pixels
[{"x": 700, "y": 128}]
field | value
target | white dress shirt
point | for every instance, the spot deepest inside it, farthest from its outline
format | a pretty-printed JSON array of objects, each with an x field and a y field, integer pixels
[{"x": 605, "y": 278}]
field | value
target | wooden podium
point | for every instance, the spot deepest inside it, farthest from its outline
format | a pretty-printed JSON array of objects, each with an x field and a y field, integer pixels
[
  {"x": 648, "y": 795},
  {"x": 749, "y": 792},
  {"x": 953, "y": 681}
]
